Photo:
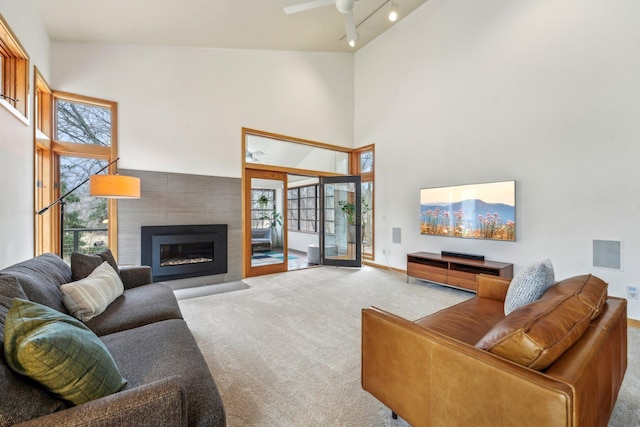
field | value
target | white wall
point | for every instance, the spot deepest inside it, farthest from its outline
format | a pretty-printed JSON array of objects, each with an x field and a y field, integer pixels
[
  {"x": 16, "y": 143},
  {"x": 300, "y": 241},
  {"x": 182, "y": 109},
  {"x": 540, "y": 91}
]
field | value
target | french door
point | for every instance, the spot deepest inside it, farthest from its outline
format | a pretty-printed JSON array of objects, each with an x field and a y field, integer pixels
[
  {"x": 341, "y": 221},
  {"x": 265, "y": 231}
]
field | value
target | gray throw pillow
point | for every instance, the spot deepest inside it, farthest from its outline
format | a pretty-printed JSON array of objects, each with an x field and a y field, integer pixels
[
  {"x": 529, "y": 285},
  {"x": 83, "y": 265}
]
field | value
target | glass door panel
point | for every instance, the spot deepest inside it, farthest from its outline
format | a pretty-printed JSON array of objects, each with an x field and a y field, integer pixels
[
  {"x": 266, "y": 229},
  {"x": 341, "y": 230}
]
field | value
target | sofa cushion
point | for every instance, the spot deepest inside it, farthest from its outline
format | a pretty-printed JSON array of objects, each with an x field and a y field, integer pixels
[
  {"x": 28, "y": 400},
  {"x": 163, "y": 349},
  {"x": 89, "y": 297},
  {"x": 593, "y": 296},
  {"x": 467, "y": 321},
  {"x": 41, "y": 277},
  {"x": 536, "y": 334},
  {"x": 137, "y": 307},
  {"x": 83, "y": 265},
  {"x": 9, "y": 290},
  {"x": 59, "y": 352},
  {"x": 528, "y": 285}
]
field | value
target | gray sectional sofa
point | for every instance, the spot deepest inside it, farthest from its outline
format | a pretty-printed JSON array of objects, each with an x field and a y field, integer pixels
[{"x": 169, "y": 383}]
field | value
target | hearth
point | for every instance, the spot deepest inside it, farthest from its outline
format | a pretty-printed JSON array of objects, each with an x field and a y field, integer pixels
[{"x": 181, "y": 251}]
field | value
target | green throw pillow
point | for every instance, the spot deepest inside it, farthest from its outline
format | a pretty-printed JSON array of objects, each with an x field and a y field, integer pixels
[{"x": 59, "y": 352}]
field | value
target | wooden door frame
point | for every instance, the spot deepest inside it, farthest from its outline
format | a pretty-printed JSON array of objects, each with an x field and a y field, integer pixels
[
  {"x": 249, "y": 168},
  {"x": 247, "y": 269}
]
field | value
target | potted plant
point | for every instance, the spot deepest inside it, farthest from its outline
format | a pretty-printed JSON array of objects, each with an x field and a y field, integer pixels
[
  {"x": 349, "y": 212},
  {"x": 263, "y": 201},
  {"x": 274, "y": 219}
]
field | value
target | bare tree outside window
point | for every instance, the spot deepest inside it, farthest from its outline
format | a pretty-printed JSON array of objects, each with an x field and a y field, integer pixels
[{"x": 83, "y": 123}]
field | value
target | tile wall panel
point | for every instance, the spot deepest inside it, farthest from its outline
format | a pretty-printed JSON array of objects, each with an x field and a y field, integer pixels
[{"x": 179, "y": 199}]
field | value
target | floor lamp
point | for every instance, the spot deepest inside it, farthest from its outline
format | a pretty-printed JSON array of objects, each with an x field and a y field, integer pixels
[{"x": 109, "y": 186}]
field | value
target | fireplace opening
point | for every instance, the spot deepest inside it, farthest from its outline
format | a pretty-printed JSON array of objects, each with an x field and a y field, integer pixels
[
  {"x": 186, "y": 253},
  {"x": 181, "y": 251}
]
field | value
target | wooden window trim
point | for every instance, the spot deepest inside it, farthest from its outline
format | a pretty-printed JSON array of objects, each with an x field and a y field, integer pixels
[
  {"x": 367, "y": 177},
  {"x": 43, "y": 164}
]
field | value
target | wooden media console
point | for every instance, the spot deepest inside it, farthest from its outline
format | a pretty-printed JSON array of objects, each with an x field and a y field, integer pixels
[{"x": 453, "y": 271}]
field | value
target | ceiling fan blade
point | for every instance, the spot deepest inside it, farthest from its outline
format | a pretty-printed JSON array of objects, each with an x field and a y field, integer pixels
[
  {"x": 350, "y": 27},
  {"x": 307, "y": 6}
]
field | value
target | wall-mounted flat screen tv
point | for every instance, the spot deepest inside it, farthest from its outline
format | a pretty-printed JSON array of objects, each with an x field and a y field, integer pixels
[{"x": 476, "y": 211}]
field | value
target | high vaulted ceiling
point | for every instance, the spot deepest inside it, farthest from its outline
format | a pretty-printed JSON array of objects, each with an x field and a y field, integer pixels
[{"x": 233, "y": 24}]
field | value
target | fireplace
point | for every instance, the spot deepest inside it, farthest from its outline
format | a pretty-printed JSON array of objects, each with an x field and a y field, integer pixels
[{"x": 181, "y": 251}]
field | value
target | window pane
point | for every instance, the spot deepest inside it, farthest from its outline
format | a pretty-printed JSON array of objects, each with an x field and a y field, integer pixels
[
  {"x": 85, "y": 226},
  {"x": 82, "y": 123},
  {"x": 275, "y": 152},
  {"x": 262, "y": 205},
  {"x": 367, "y": 217},
  {"x": 366, "y": 161}
]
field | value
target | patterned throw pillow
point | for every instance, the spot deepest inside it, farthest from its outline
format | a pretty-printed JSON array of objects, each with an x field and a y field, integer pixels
[
  {"x": 60, "y": 353},
  {"x": 529, "y": 285},
  {"x": 89, "y": 297}
]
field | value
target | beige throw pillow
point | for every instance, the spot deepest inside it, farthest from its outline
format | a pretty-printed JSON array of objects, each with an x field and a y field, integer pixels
[{"x": 89, "y": 297}]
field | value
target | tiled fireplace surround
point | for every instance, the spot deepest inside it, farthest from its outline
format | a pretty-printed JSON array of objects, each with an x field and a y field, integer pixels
[{"x": 180, "y": 199}]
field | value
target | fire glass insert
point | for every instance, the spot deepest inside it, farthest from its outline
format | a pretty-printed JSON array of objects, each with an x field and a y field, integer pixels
[
  {"x": 186, "y": 253},
  {"x": 182, "y": 251}
]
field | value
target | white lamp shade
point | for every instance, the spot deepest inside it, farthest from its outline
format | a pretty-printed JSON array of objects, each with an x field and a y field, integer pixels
[{"x": 114, "y": 186}]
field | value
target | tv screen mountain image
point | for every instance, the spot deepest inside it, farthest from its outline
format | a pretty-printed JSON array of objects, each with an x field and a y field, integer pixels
[{"x": 475, "y": 211}]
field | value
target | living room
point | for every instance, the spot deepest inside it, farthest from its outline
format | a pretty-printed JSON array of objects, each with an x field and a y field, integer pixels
[
  {"x": 541, "y": 92},
  {"x": 560, "y": 122}
]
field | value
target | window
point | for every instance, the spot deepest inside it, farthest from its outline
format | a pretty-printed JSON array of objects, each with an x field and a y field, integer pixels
[
  {"x": 303, "y": 208},
  {"x": 83, "y": 123},
  {"x": 298, "y": 154},
  {"x": 14, "y": 72},
  {"x": 364, "y": 166},
  {"x": 329, "y": 210},
  {"x": 366, "y": 162},
  {"x": 83, "y": 142},
  {"x": 85, "y": 226},
  {"x": 262, "y": 204}
]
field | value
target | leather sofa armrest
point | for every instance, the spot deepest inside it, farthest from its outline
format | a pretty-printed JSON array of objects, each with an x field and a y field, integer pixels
[
  {"x": 134, "y": 276},
  {"x": 492, "y": 287},
  {"x": 428, "y": 378},
  {"x": 162, "y": 403}
]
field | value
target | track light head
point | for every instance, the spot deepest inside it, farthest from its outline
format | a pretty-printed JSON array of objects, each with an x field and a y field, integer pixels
[{"x": 393, "y": 13}]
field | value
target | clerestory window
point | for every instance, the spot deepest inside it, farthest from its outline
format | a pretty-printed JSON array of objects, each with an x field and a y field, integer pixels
[{"x": 14, "y": 73}]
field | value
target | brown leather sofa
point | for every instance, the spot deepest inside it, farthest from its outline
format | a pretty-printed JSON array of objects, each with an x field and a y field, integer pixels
[{"x": 558, "y": 361}]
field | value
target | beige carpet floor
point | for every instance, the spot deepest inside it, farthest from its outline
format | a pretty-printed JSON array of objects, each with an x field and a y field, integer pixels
[{"x": 286, "y": 351}]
